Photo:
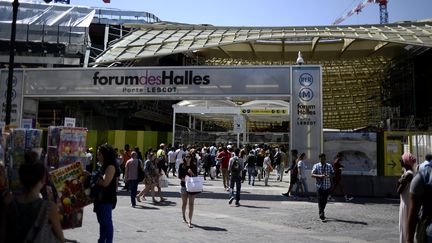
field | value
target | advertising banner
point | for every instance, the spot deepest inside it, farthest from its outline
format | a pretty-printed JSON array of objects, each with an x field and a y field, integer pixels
[
  {"x": 306, "y": 112},
  {"x": 359, "y": 151},
  {"x": 69, "y": 185}
]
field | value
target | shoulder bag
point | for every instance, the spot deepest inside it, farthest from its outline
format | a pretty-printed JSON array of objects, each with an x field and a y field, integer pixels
[{"x": 41, "y": 231}]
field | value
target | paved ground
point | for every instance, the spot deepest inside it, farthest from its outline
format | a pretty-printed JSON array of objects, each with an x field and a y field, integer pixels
[{"x": 264, "y": 215}]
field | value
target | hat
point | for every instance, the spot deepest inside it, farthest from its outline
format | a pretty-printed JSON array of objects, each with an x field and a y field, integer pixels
[
  {"x": 229, "y": 146},
  {"x": 408, "y": 159}
]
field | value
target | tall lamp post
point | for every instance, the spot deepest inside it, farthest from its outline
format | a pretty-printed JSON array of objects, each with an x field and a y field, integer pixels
[{"x": 15, "y": 5}]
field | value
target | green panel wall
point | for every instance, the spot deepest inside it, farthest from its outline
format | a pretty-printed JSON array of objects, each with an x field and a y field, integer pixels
[
  {"x": 150, "y": 140},
  {"x": 131, "y": 138},
  {"x": 102, "y": 137},
  {"x": 140, "y": 140},
  {"x": 92, "y": 139},
  {"x": 162, "y": 138},
  {"x": 118, "y": 138},
  {"x": 169, "y": 138}
]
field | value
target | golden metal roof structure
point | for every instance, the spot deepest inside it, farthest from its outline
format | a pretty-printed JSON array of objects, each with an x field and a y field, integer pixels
[
  {"x": 354, "y": 58},
  {"x": 317, "y": 42}
]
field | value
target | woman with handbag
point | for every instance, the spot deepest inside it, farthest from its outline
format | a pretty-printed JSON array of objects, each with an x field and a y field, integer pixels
[
  {"x": 187, "y": 168},
  {"x": 106, "y": 200},
  {"x": 29, "y": 217}
]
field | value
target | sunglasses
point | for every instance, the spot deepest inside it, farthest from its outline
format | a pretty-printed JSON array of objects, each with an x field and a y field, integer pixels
[{"x": 187, "y": 157}]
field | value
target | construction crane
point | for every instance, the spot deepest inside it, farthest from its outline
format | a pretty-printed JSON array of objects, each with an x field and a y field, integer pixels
[{"x": 357, "y": 9}]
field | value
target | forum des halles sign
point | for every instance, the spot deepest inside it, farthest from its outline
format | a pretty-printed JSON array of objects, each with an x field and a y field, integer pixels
[{"x": 300, "y": 85}]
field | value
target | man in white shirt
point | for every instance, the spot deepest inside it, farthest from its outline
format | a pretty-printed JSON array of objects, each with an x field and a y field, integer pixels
[
  {"x": 172, "y": 160},
  {"x": 179, "y": 153}
]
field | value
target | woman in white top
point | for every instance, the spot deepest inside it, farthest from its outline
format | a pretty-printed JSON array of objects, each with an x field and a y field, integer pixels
[
  {"x": 302, "y": 181},
  {"x": 267, "y": 167}
]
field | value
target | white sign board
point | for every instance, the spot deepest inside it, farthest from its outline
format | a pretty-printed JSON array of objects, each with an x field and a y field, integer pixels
[
  {"x": 69, "y": 122},
  {"x": 238, "y": 124},
  {"x": 160, "y": 82},
  {"x": 27, "y": 123},
  {"x": 306, "y": 112}
]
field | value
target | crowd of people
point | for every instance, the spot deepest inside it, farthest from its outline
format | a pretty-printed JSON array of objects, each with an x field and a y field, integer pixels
[{"x": 233, "y": 165}]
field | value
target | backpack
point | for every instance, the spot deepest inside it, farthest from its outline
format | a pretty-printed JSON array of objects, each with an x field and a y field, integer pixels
[
  {"x": 235, "y": 167},
  {"x": 251, "y": 160}
]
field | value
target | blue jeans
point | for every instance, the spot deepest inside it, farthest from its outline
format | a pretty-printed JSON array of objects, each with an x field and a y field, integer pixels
[
  {"x": 235, "y": 180},
  {"x": 133, "y": 187},
  {"x": 251, "y": 173},
  {"x": 106, "y": 228}
]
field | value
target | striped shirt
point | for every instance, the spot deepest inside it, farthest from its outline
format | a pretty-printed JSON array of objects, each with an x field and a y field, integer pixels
[{"x": 320, "y": 169}]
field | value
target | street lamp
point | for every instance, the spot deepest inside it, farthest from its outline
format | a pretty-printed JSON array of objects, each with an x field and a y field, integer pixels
[{"x": 15, "y": 5}]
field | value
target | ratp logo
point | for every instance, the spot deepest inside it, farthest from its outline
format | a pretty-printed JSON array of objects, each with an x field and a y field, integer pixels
[
  {"x": 305, "y": 79},
  {"x": 306, "y": 94}
]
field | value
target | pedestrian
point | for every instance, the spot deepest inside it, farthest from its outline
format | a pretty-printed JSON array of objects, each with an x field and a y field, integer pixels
[
  {"x": 179, "y": 154},
  {"x": 224, "y": 157},
  {"x": 88, "y": 162},
  {"x": 293, "y": 172},
  {"x": 260, "y": 155},
  {"x": 151, "y": 179},
  {"x": 251, "y": 160},
  {"x": 420, "y": 197},
  {"x": 235, "y": 169},
  {"x": 207, "y": 163},
  {"x": 267, "y": 167},
  {"x": 107, "y": 199},
  {"x": 322, "y": 172},
  {"x": 187, "y": 168},
  {"x": 125, "y": 157},
  {"x": 5, "y": 198},
  {"x": 28, "y": 211},
  {"x": 172, "y": 161},
  {"x": 131, "y": 176},
  {"x": 138, "y": 152},
  {"x": 162, "y": 159},
  {"x": 427, "y": 162},
  {"x": 408, "y": 160},
  {"x": 337, "y": 179},
  {"x": 302, "y": 178},
  {"x": 284, "y": 162}
]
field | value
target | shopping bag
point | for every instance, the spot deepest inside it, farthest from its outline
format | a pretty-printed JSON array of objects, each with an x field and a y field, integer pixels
[
  {"x": 213, "y": 172},
  {"x": 163, "y": 181},
  {"x": 269, "y": 168},
  {"x": 194, "y": 184}
]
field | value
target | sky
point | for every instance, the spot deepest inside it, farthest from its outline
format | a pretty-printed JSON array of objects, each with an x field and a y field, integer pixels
[{"x": 269, "y": 12}]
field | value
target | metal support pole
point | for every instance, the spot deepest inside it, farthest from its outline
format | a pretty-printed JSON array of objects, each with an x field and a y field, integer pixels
[
  {"x": 15, "y": 6},
  {"x": 173, "y": 128}
]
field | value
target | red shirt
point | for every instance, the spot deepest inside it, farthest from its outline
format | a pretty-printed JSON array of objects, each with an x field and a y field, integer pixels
[{"x": 225, "y": 156}]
